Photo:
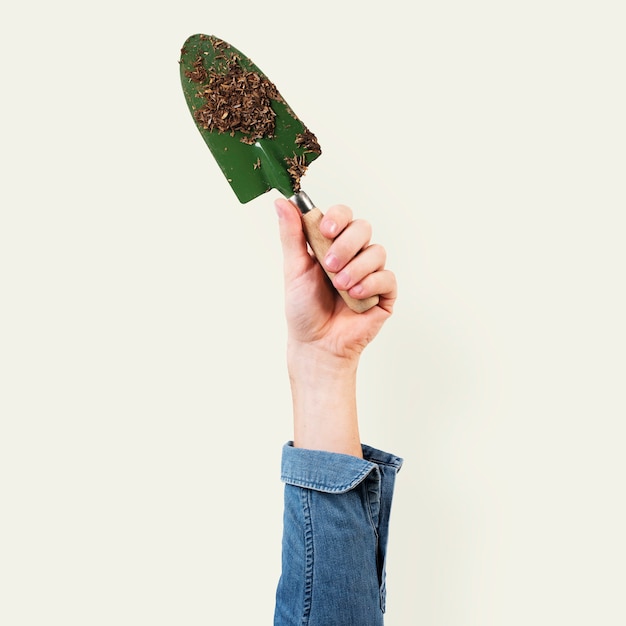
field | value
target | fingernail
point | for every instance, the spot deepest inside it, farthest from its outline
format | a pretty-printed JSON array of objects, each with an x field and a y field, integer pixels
[
  {"x": 357, "y": 290},
  {"x": 332, "y": 262},
  {"x": 342, "y": 279},
  {"x": 331, "y": 227},
  {"x": 279, "y": 209}
]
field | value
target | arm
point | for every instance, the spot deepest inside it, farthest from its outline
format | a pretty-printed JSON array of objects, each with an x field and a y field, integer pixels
[
  {"x": 326, "y": 338},
  {"x": 338, "y": 492}
]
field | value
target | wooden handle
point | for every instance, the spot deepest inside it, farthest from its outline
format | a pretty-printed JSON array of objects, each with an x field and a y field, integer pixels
[{"x": 320, "y": 244}]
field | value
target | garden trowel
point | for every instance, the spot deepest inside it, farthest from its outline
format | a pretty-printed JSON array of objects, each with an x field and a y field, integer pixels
[{"x": 255, "y": 137}]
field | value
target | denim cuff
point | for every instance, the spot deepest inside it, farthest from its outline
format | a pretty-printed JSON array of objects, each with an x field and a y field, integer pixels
[{"x": 331, "y": 472}]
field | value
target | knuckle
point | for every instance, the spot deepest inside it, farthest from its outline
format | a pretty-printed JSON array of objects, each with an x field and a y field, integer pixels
[
  {"x": 364, "y": 227},
  {"x": 342, "y": 213},
  {"x": 380, "y": 252},
  {"x": 337, "y": 210}
]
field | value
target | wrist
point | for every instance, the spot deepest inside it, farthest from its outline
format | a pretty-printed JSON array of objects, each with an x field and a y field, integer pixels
[
  {"x": 323, "y": 388},
  {"x": 305, "y": 360}
]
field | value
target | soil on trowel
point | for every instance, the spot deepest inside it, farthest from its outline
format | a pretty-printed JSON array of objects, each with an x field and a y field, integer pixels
[{"x": 239, "y": 100}]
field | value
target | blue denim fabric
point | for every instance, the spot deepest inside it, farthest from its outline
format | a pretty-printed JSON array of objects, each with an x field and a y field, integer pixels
[{"x": 336, "y": 524}]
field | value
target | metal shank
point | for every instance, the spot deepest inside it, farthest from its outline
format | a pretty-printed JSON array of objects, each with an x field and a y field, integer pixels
[{"x": 303, "y": 202}]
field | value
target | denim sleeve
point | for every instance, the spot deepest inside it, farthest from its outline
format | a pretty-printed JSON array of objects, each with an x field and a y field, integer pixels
[{"x": 336, "y": 524}]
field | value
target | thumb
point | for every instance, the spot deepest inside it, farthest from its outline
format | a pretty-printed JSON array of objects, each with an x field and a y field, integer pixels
[{"x": 296, "y": 257}]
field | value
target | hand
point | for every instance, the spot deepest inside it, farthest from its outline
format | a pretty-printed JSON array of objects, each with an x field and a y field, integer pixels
[{"x": 317, "y": 317}]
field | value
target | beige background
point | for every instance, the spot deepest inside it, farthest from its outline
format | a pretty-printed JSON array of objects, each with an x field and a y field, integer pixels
[{"x": 143, "y": 396}]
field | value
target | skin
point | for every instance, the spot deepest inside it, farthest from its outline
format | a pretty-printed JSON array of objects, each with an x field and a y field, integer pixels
[{"x": 326, "y": 338}]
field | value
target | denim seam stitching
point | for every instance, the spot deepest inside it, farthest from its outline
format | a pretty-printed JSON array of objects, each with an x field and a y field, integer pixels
[
  {"x": 379, "y": 561},
  {"x": 322, "y": 487},
  {"x": 369, "y": 511},
  {"x": 309, "y": 556},
  {"x": 385, "y": 463}
]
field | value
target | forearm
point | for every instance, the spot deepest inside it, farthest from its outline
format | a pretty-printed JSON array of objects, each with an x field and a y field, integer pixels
[{"x": 323, "y": 389}]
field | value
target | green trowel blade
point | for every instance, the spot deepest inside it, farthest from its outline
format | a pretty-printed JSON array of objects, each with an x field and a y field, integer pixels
[{"x": 257, "y": 140}]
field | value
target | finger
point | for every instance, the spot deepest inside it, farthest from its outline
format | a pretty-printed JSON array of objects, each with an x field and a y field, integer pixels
[
  {"x": 382, "y": 283},
  {"x": 370, "y": 260},
  {"x": 296, "y": 257},
  {"x": 352, "y": 239},
  {"x": 335, "y": 220}
]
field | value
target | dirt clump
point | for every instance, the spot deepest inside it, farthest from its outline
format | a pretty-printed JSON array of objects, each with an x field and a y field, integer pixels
[{"x": 237, "y": 100}]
